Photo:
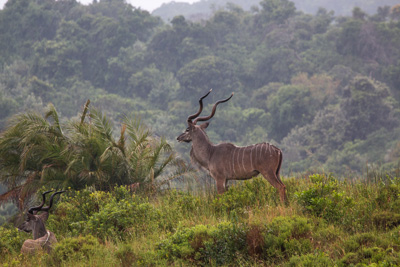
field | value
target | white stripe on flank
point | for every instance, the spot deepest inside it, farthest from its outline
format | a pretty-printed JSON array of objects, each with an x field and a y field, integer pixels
[
  {"x": 238, "y": 163},
  {"x": 233, "y": 162},
  {"x": 244, "y": 170},
  {"x": 256, "y": 154},
  {"x": 251, "y": 158},
  {"x": 265, "y": 145}
]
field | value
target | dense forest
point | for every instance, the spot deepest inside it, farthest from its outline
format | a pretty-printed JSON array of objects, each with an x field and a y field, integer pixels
[
  {"x": 93, "y": 97},
  {"x": 204, "y": 9},
  {"x": 325, "y": 89}
]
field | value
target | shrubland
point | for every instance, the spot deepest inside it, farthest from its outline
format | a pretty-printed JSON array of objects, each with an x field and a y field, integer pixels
[{"x": 328, "y": 222}]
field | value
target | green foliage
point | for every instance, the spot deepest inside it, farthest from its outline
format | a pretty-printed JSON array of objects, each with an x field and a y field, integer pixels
[
  {"x": 257, "y": 192},
  {"x": 286, "y": 237},
  {"x": 386, "y": 219},
  {"x": 204, "y": 244},
  {"x": 74, "y": 248},
  {"x": 276, "y": 10},
  {"x": 118, "y": 215},
  {"x": 87, "y": 154},
  {"x": 291, "y": 106},
  {"x": 126, "y": 255},
  {"x": 11, "y": 240},
  {"x": 310, "y": 260},
  {"x": 180, "y": 228},
  {"x": 324, "y": 199},
  {"x": 208, "y": 72},
  {"x": 367, "y": 248}
]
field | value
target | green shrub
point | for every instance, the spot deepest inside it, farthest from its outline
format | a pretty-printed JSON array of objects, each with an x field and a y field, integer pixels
[
  {"x": 75, "y": 248},
  {"x": 253, "y": 193},
  {"x": 70, "y": 215},
  {"x": 204, "y": 244},
  {"x": 386, "y": 219},
  {"x": 117, "y": 220},
  {"x": 113, "y": 215},
  {"x": 360, "y": 240},
  {"x": 310, "y": 260},
  {"x": 324, "y": 200},
  {"x": 371, "y": 248},
  {"x": 286, "y": 237},
  {"x": 371, "y": 256},
  {"x": 11, "y": 240},
  {"x": 178, "y": 206},
  {"x": 389, "y": 194},
  {"x": 125, "y": 255}
]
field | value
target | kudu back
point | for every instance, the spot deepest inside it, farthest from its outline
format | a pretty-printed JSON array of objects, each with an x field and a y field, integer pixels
[
  {"x": 35, "y": 223},
  {"x": 229, "y": 162}
]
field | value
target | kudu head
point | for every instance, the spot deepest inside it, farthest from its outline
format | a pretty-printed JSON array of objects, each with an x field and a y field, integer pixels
[
  {"x": 35, "y": 223},
  {"x": 193, "y": 128}
]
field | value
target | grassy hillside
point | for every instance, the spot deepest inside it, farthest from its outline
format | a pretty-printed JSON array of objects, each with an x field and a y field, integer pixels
[{"x": 328, "y": 222}]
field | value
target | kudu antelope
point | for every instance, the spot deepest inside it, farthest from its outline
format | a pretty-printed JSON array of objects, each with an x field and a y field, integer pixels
[
  {"x": 42, "y": 238},
  {"x": 229, "y": 162}
]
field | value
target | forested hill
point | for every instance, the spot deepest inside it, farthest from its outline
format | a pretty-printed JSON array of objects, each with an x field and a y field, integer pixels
[
  {"x": 204, "y": 9},
  {"x": 325, "y": 89}
]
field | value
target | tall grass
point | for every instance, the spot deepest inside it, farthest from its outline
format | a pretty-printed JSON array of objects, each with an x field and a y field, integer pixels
[{"x": 329, "y": 222}]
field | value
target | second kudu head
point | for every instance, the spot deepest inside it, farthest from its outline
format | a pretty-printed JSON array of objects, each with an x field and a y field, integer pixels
[
  {"x": 34, "y": 221},
  {"x": 192, "y": 124}
]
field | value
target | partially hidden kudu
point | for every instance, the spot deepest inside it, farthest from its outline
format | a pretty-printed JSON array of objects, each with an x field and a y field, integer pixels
[
  {"x": 229, "y": 162},
  {"x": 42, "y": 238}
]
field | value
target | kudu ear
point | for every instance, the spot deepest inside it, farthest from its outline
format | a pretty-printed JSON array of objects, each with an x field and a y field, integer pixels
[
  {"x": 30, "y": 216},
  {"x": 44, "y": 216},
  {"x": 204, "y": 125}
]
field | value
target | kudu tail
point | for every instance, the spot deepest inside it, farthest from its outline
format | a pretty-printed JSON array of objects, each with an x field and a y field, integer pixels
[{"x": 280, "y": 163}]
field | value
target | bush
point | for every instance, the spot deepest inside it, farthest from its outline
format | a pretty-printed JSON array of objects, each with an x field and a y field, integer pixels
[
  {"x": 370, "y": 248},
  {"x": 389, "y": 194},
  {"x": 386, "y": 219},
  {"x": 114, "y": 215},
  {"x": 75, "y": 248},
  {"x": 324, "y": 200},
  {"x": 286, "y": 237},
  {"x": 310, "y": 260},
  {"x": 256, "y": 192},
  {"x": 204, "y": 244},
  {"x": 125, "y": 255},
  {"x": 371, "y": 256},
  {"x": 11, "y": 240}
]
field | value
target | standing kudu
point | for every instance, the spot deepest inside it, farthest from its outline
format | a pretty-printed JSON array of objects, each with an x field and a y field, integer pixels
[
  {"x": 42, "y": 238},
  {"x": 228, "y": 162}
]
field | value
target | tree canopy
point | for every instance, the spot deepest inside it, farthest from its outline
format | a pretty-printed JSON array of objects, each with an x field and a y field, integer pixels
[{"x": 324, "y": 88}]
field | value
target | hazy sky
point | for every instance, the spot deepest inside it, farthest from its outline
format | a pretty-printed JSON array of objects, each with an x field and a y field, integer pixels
[{"x": 148, "y": 5}]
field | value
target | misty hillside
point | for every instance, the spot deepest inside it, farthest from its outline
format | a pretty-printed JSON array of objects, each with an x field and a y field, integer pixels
[{"x": 203, "y": 9}]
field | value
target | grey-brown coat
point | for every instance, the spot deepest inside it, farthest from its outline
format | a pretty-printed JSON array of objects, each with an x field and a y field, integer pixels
[
  {"x": 229, "y": 162},
  {"x": 35, "y": 223}
]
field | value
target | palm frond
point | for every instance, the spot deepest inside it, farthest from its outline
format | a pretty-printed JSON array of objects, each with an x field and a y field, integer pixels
[{"x": 85, "y": 110}]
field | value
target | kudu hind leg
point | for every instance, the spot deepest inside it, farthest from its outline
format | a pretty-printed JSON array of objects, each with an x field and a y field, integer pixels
[
  {"x": 221, "y": 185},
  {"x": 276, "y": 182}
]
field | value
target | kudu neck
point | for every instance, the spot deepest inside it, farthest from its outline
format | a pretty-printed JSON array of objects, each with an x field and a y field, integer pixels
[
  {"x": 39, "y": 230},
  {"x": 202, "y": 147}
]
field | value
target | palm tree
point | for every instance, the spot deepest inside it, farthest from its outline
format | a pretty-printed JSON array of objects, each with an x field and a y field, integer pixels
[
  {"x": 36, "y": 152},
  {"x": 30, "y": 149}
]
